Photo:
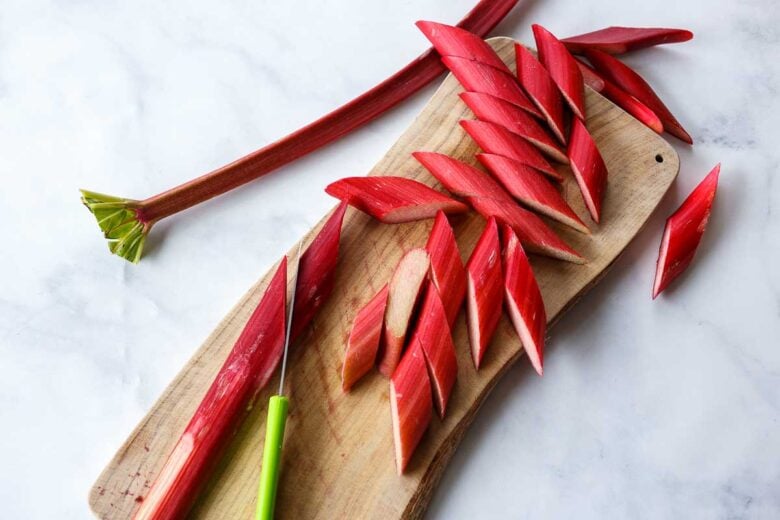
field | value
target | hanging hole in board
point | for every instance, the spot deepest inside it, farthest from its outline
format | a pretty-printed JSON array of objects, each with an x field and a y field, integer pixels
[{"x": 659, "y": 158}]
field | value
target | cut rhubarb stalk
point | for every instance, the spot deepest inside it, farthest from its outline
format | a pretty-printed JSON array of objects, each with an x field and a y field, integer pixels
[
  {"x": 588, "y": 168},
  {"x": 617, "y": 40},
  {"x": 447, "y": 271},
  {"x": 524, "y": 300},
  {"x": 460, "y": 178},
  {"x": 393, "y": 200},
  {"x": 621, "y": 98},
  {"x": 454, "y": 41},
  {"x": 317, "y": 272},
  {"x": 364, "y": 337},
  {"x": 541, "y": 89},
  {"x": 246, "y": 370},
  {"x": 494, "y": 110},
  {"x": 485, "y": 291},
  {"x": 434, "y": 336},
  {"x": 532, "y": 189},
  {"x": 562, "y": 68},
  {"x": 498, "y": 140},
  {"x": 629, "y": 80},
  {"x": 410, "y": 404},
  {"x": 477, "y": 77},
  {"x": 683, "y": 232},
  {"x": 402, "y": 297}
]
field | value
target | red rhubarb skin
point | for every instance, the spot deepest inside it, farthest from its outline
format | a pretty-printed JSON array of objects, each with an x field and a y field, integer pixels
[
  {"x": 248, "y": 367},
  {"x": 618, "y": 40},
  {"x": 485, "y": 291},
  {"x": 532, "y": 189},
  {"x": 454, "y": 41},
  {"x": 683, "y": 232},
  {"x": 410, "y": 403},
  {"x": 588, "y": 168},
  {"x": 393, "y": 200},
  {"x": 497, "y": 111},
  {"x": 460, "y": 178},
  {"x": 541, "y": 89},
  {"x": 562, "y": 68},
  {"x": 498, "y": 140},
  {"x": 524, "y": 300},
  {"x": 363, "y": 342},
  {"x": 447, "y": 270},
  {"x": 630, "y": 81},
  {"x": 478, "y": 77},
  {"x": 433, "y": 334}
]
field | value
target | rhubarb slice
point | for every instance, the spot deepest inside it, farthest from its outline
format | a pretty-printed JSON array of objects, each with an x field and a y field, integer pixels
[
  {"x": 621, "y": 98},
  {"x": 532, "y": 189},
  {"x": 562, "y": 68},
  {"x": 629, "y": 80},
  {"x": 433, "y": 335},
  {"x": 454, "y": 41},
  {"x": 541, "y": 89},
  {"x": 588, "y": 168},
  {"x": 460, "y": 178},
  {"x": 447, "y": 271},
  {"x": 524, "y": 300},
  {"x": 617, "y": 40},
  {"x": 683, "y": 232},
  {"x": 248, "y": 367},
  {"x": 364, "y": 337},
  {"x": 483, "y": 303},
  {"x": 402, "y": 297},
  {"x": 393, "y": 200},
  {"x": 410, "y": 405},
  {"x": 496, "y": 139},
  {"x": 478, "y": 77},
  {"x": 494, "y": 110}
]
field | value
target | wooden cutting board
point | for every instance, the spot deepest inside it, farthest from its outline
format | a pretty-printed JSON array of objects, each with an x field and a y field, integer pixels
[{"x": 338, "y": 455}]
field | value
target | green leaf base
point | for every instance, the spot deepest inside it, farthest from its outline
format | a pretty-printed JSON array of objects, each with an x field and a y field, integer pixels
[{"x": 118, "y": 219}]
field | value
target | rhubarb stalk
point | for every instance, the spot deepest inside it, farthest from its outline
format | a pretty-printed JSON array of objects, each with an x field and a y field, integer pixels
[
  {"x": 562, "y": 68},
  {"x": 541, "y": 89},
  {"x": 454, "y": 41},
  {"x": 617, "y": 40},
  {"x": 447, "y": 271},
  {"x": 588, "y": 168},
  {"x": 363, "y": 342}
]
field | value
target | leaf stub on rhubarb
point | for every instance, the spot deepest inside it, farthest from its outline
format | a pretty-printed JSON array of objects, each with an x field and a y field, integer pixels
[
  {"x": 588, "y": 168},
  {"x": 683, "y": 232},
  {"x": 122, "y": 226},
  {"x": 562, "y": 68},
  {"x": 618, "y": 40},
  {"x": 363, "y": 344},
  {"x": 454, "y": 41},
  {"x": 541, "y": 89},
  {"x": 447, "y": 270}
]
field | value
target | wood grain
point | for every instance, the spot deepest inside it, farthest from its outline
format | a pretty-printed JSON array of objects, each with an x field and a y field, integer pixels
[{"x": 338, "y": 457}]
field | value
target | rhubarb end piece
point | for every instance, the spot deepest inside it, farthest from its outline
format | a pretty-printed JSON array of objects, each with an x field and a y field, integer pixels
[
  {"x": 120, "y": 223},
  {"x": 363, "y": 342}
]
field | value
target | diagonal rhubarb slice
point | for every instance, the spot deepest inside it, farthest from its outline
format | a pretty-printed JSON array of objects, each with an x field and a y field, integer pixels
[
  {"x": 562, "y": 68},
  {"x": 496, "y": 139},
  {"x": 478, "y": 77},
  {"x": 629, "y": 80},
  {"x": 433, "y": 335},
  {"x": 588, "y": 168},
  {"x": 497, "y": 111},
  {"x": 447, "y": 271},
  {"x": 683, "y": 232},
  {"x": 617, "y": 40},
  {"x": 393, "y": 200},
  {"x": 621, "y": 98},
  {"x": 532, "y": 189},
  {"x": 524, "y": 300},
  {"x": 403, "y": 293},
  {"x": 364, "y": 337},
  {"x": 485, "y": 291},
  {"x": 454, "y": 41},
  {"x": 541, "y": 89},
  {"x": 410, "y": 405},
  {"x": 460, "y": 178}
]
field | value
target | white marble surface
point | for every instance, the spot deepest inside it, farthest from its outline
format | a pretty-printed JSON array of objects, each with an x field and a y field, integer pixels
[{"x": 665, "y": 409}]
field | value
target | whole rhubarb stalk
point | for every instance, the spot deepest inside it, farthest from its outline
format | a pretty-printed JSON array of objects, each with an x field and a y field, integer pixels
[{"x": 126, "y": 222}]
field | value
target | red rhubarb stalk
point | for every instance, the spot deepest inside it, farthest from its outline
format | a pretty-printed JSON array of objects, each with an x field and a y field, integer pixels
[
  {"x": 460, "y": 178},
  {"x": 393, "y": 200},
  {"x": 683, "y": 232},
  {"x": 524, "y": 300},
  {"x": 629, "y": 80},
  {"x": 246, "y": 370},
  {"x": 617, "y": 40},
  {"x": 562, "y": 68},
  {"x": 541, "y": 89},
  {"x": 447, "y": 271},
  {"x": 588, "y": 168},
  {"x": 485, "y": 291},
  {"x": 404, "y": 291},
  {"x": 454, "y": 41},
  {"x": 126, "y": 223},
  {"x": 363, "y": 342}
]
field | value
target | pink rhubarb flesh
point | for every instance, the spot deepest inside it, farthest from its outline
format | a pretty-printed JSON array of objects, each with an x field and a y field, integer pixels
[
  {"x": 541, "y": 89},
  {"x": 588, "y": 168},
  {"x": 364, "y": 337},
  {"x": 617, "y": 40},
  {"x": 447, "y": 270},
  {"x": 562, "y": 68},
  {"x": 454, "y": 41}
]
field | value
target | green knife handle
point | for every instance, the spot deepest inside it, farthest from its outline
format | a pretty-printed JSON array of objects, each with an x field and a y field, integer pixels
[{"x": 272, "y": 453}]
